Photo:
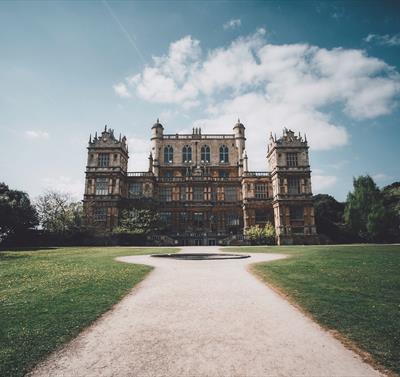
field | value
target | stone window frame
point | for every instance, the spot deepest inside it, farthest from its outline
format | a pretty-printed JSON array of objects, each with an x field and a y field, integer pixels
[
  {"x": 198, "y": 219},
  {"x": 186, "y": 193},
  {"x": 230, "y": 194},
  {"x": 100, "y": 214},
  {"x": 168, "y": 154},
  {"x": 205, "y": 154},
  {"x": 198, "y": 193},
  {"x": 101, "y": 187},
  {"x": 233, "y": 219},
  {"x": 187, "y": 154},
  {"x": 220, "y": 194},
  {"x": 165, "y": 194},
  {"x": 296, "y": 212},
  {"x": 292, "y": 159},
  {"x": 261, "y": 191},
  {"x": 223, "y": 154},
  {"x": 137, "y": 192},
  {"x": 293, "y": 185},
  {"x": 104, "y": 160},
  {"x": 166, "y": 217},
  {"x": 207, "y": 193}
]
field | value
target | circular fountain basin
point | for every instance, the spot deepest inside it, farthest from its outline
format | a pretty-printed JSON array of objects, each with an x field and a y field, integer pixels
[{"x": 201, "y": 256}]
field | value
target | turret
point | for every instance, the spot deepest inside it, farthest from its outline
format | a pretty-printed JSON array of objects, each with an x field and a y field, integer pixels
[
  {"x": 239, "y": 132},
  {"x": 245, "y": 162},
  {"x": 157, "y": 132}
]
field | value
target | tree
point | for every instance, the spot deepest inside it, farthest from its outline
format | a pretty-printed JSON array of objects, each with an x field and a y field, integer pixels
[
  {"x": 391, "y": 200},
  {"x": 261, "y": 236},
  {"x": 138, "y": 221},
  {"x": 58, "y": 213},
  {"x": 329, "y": 219},
  {"x": 365, "y": 213},
  {"x": 17, "y": 214}
]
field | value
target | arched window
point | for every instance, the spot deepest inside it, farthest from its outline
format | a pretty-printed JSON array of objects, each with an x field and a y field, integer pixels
[
  {"x": 223, "y": 153},
  {"x": 205, "y": 153},
  {"x": 168, "y": 154},
  {"x": 187, "y": 153}
]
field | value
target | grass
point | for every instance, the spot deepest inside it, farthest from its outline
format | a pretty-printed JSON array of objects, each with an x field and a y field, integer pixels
[
  {"x": 352, "y": 289},
  {"x": 48, "y": 296}
]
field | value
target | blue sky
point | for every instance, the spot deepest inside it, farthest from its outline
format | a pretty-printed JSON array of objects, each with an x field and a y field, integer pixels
[{"x": 330, "y": 69}]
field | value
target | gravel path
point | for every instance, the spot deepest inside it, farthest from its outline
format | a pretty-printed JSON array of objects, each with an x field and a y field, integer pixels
[{"x": 203, "y": 318}]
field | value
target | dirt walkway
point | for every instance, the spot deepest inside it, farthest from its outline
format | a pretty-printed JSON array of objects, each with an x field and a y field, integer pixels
[{"x": 203, "y": 318}]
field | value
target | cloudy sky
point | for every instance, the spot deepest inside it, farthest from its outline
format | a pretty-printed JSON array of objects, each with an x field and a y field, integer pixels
[{"x": 327, "y": 69}]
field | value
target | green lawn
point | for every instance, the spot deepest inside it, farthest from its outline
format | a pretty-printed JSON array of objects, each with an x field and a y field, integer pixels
[
  {"x": 354, "y": 289},
  {"x": 48, "y": 296}
]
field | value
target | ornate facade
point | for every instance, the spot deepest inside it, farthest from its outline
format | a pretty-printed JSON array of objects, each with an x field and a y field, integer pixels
[{"x": 202, "y": 188}]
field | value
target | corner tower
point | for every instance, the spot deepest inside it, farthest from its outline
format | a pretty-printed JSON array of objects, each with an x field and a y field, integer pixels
[
  {"x": 105, "y": 186},
  {"x": 240, "y": 140},
  {"x": 291, "y": 183},
  {"x": 157, "y": 134}
]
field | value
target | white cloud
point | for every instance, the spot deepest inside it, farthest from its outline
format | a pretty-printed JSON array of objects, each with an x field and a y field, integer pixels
[
  {"x": 121, "y": 90},
  {"x": 64, "y": 184},
  {"x": 381, "y": 177},
  {"x": 36, "y": 135},
  {"x": 270, "y": 86},
  {"x": 384, "y": 40},
  {"x": 232, "y": 24},
  {"x": 321, "y": 183},
  {"x": 139, "y": 150}
]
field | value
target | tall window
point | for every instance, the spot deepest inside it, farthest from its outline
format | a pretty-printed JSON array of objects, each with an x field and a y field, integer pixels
[
  {"x": 198, "y": 218},
  {"x": 205, "y": 153},
  {"x": 187, "y": 153},
  {"x": 230, "y": 194},
  {"x": 135, "y": 190},
  {"x": 186, "y": 193},
  {"x": 100, "y": 214},
  {"x": 101, "y": 186},
  {"x": 165, "y": 194},
  {"x": 291, "y": 159},
  {"x": 293, "y": 185},
  {"x": 168, "y": 154},
  {"x": 223, "y": 174},
  {"x": 223, "y": 153},
  {"x": 261, "y": 191},
  {"x": 296, "y": 213},
  {"x": 233, "y": 219},
  {"x": 198, "y": 194},
  {"x": 183, "y": 219},
  {"x": 166, "y": 218},
  {"x": 175, "y": 193},
  {"x": 104, "y": 159},
  {"x": 220, "y": 194},
  {"x": 207, "y": 193}
]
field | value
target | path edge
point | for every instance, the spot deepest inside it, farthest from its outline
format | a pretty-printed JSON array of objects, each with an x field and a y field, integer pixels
[{"x": 346, "y": 342}]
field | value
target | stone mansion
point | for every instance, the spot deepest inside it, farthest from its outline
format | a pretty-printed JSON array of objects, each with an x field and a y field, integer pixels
[{"x": 201, "y": 186}]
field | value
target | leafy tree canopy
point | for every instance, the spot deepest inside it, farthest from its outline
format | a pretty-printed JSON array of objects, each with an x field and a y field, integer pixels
[
  {"x": 58, "y": 213},
  {"x": 365, "y": 213},
  {"x": 16, "y": 212},
  {"x": 138, "y": 221}
]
